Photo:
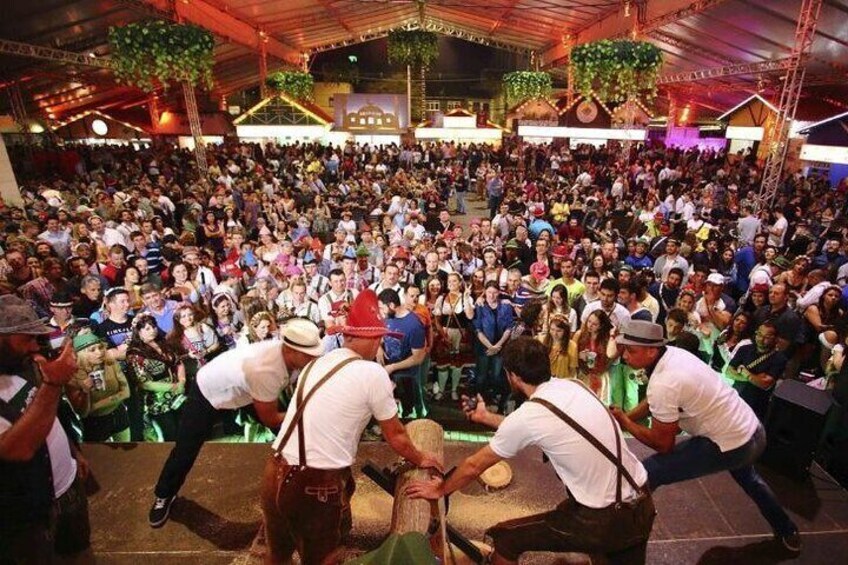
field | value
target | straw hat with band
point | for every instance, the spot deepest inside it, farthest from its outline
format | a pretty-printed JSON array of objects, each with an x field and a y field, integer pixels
[{"x": 303, "y": 335}]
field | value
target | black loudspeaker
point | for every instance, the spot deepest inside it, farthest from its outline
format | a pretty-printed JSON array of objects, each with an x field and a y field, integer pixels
[
  {"x": 833, "y": 450},
  {"x": 794, "y": 425}
]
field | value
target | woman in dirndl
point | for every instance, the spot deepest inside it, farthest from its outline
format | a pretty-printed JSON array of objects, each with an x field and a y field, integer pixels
[{"x": 452, "y": 315}]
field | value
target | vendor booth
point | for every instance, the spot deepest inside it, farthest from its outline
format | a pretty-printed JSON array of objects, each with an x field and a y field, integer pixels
[
  {"x": 585, "y": 121},
  {"x": 282, "y": 119},
  {"x": 460, "y": 126},
  {"x": 826, "y": 148},
  {"x": 750, "y": 125},
  {"x": 94, "y": 127}
]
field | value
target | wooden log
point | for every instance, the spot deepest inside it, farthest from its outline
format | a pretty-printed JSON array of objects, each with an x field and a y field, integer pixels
[{"x": 416, "y": 515}]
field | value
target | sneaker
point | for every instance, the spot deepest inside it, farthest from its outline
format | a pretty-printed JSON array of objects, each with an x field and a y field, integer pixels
[
  {"x": 438, "y": 396},
  {"x": 454, "y": 395},
  {"x": 160, "y": 511},
  {"x": 792, "y": 542}
]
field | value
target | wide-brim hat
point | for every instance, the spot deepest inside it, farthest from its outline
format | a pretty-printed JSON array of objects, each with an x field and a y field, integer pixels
[
  {"x": 18, "y": 317},
  {"x": 640, "y": 332},
  {"x": 303, "y": 335},
  {"x": 539, "y": 270},
  {"x": 781, "y": 262},
  {"x": 364, "y": 319}
]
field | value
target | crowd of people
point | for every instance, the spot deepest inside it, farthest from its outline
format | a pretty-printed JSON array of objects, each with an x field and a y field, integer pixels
[
  {"x": 168, "y": 269},
  {"x": 148, "y": 271}
]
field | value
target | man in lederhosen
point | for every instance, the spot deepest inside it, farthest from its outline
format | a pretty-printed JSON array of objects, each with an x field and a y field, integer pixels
[
  {"x": 608, "y": 509},
  {"x": 307, "y": 484}
]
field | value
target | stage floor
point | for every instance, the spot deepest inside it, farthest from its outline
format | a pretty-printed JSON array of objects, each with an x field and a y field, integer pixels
[{"x": 217, "y": 515}]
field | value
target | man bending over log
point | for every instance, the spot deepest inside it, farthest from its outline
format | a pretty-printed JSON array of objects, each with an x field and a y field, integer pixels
[{"x": 608, "y": 509}]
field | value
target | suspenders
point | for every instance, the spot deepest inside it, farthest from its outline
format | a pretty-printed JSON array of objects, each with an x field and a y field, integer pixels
[{"x": 302, "y": 401}]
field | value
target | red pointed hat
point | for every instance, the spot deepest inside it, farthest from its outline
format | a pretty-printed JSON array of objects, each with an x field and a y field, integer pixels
[{"x": 364, "y": 319}]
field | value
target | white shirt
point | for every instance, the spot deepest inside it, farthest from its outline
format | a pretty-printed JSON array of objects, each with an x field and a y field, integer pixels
[
  {"x": 336, "y": 416},
  {"x": 325, "y": 303},
  {"x": 379, "y": 287},
  {"x": 109, "y": 237},
  {"x": 235, "y": 378},
  {"x": 684, "y": 389},
  {"x": 62, "y": 462},
  {"x": 618, "y": 315},
  {"x": 417, "y": 231},
  {"x": 587, "y": 474},
  {"x": 703, "y": 311},
  {"x": 842, "y": 275},
  {"x": 812, "y": 296},
  {"x": 777, "y": 240}
]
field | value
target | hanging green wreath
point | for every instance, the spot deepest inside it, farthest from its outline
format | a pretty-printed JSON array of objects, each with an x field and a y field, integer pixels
[
  {"x": 148, "y": 53},
  {"x": 615, "y": 70},
  {"x": 413, "y": 47},
  {"x": 522, "y": 85},
  {"x": 295, "y": 84}
]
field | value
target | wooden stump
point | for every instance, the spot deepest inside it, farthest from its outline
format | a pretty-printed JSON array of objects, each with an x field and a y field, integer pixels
[{"x": 416, "y": 515}]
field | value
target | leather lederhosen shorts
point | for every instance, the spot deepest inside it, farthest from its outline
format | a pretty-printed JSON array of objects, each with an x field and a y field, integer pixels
[
  {"x": 306, "y": 509},
  {"x": 572, "y": 526}
]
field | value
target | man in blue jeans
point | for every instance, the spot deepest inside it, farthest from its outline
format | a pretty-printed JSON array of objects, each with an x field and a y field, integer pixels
[{"x": 684, "y": 393}]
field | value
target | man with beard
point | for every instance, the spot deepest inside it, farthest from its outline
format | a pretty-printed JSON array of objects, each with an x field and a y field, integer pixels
[
  {"x": 43, "y": 508},
  {"x": 402, "y": 356},
  {"x": 608, "y": 510},
  {"x": 666, "y": 292},
  {"x": 723, "y": 433}
]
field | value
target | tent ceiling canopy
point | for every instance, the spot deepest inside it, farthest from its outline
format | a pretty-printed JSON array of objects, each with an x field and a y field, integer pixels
[{"x": 693, "y": 34}]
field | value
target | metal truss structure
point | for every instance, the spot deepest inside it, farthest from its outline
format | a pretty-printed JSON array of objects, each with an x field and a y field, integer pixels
[
  {"x": 19, "y": 112},
  {"x": 9, "y": 47},
  {"x": 429, "y": 24},
  {"x": 773, "y": 65},
  {"x": 194, "y": 125},
  {"x": 663, "y": 20},
  {"x": 793, "y": 81}
]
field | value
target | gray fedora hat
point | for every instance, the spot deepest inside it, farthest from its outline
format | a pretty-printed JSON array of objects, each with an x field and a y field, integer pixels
[
  {"x": 640, "y": 332},
  {"x": 18, "y": 317}
]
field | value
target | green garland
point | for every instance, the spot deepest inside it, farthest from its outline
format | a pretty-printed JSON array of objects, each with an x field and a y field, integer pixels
[
  {"x": 150, "y": 52},
  {"x": 522, "y": 85},
  {"x": 413, "y": 47},
  {"x": 615, "y": 70},
  {"x": 296, "y": 84}
]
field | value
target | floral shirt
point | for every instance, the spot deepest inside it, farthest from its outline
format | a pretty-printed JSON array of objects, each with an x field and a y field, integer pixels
[{"x": 149, "y": 369}]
